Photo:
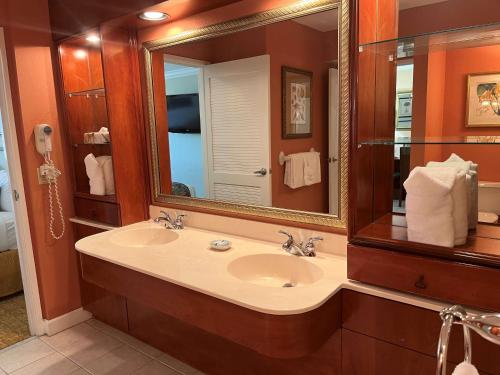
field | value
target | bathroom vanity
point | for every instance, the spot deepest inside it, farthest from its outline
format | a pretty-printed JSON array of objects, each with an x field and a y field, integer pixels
[{"x": 170, "y": 290}]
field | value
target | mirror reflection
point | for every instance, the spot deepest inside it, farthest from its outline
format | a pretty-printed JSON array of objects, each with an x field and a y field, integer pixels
[
  {"x": 447, "y": 97},
  {"x": 252, "y": 117}
]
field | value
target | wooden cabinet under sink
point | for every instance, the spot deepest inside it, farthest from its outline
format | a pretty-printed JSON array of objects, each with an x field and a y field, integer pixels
[{"x": 352, "y": 333}]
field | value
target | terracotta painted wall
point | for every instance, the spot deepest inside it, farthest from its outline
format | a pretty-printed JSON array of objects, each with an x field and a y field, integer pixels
[
  {"x": 460, "y": 63},
  {"x": 292, "y": 44},
  {"x": 29, "y": 44},
  {"x": 288, "y": 44}
]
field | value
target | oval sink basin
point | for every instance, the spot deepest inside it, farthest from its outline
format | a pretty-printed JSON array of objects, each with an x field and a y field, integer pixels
[
  {"x": 275, "y": 270},
  {"x": 142, "y": 237}
]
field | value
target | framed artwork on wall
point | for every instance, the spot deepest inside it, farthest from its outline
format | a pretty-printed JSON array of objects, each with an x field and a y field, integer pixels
[
  {"x": 404, "y": 104},
  {"x": 296, "y": 103},
  {"x": 483, "y": 100}
]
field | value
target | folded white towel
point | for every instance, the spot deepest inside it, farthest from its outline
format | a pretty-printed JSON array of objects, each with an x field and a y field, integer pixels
[
  {"x": 465, "y": 368},
  {"x": 95, "y": 174},
  {"x": 429, "y": 206},
  {"x": 461, "y": 195},
  {"x": 302, "y": 169},
  {"x": 312, "y": 168},
  {"x": 470, "y": 168},
  {"x": 100, "y": 137},
  {"x": 436, "y": 206},
  {"x": 106, "y": 163}
]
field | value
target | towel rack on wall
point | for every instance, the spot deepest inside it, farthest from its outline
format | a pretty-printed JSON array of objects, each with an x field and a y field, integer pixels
[
  {"x": 487, "y": 326},
  {"x": 283, "y": 158}
]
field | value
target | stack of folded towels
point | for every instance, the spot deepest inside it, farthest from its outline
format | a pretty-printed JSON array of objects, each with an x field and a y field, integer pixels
[
  {"x": 441, "y": 202},
  {"x": 303, "y": 169},
  {"x": 100, "y": 173},
  {"x": 100, "y": 137}
]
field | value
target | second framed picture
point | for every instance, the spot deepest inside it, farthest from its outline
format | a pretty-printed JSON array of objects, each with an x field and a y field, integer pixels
[{"x": 296, "y": 103}]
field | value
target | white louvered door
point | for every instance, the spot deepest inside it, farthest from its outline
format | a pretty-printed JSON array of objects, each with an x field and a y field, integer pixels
[{"x": 238, "y": 130}]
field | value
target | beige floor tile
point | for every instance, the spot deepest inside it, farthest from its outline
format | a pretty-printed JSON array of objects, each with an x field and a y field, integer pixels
[
  {"x": 121, "y": 361},
  {"x": 80, "y": 372},
  {"x": 156, "y": 368},
  {"x": 127, "y": 339},
  {"x": 52, "y": 364},
  {"x": 82, "y": 343},
  {"x": 182, "y": 367},
  {"x": 24, "y": 354}
]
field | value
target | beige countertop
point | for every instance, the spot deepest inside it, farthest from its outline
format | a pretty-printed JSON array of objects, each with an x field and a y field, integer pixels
[{"x": 188, "y": 261}]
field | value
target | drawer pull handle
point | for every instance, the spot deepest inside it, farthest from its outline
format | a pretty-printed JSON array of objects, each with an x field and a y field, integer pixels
[{"x": 420, "y": 283}]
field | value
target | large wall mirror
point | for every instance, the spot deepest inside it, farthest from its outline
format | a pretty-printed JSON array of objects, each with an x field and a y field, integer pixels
[{"x": 251, "y": 116}]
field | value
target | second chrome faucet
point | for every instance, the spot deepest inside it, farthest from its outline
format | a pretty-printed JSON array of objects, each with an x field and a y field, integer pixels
[{"x": 304, "y": 249}]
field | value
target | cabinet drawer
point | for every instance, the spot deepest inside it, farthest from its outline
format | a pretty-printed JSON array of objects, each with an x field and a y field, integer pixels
[
  {"x": 453, "y": 282},
  {"x": 103, "y": 212}
]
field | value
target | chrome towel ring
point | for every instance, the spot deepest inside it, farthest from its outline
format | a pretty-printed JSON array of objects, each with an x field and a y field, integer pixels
[{"x": 486, "y": 325}]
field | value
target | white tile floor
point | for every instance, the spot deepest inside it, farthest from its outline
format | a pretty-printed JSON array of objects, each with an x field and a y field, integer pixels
[{"x": 89, "y": 348}]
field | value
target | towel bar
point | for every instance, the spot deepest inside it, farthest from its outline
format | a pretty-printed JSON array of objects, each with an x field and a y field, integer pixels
[
  {"x": 486, "y": 325},
  {"x": 282, "y": 158}
]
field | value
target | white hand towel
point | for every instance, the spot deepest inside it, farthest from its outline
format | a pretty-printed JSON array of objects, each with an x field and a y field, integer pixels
[
  {"x": 294, "y": 171},
  {"x": 465, "y": 368},
  {"x": 106, "y": 163},
  {"x": 429, "y": 206},
  {"x": 460, "y": 196},
  {"x": 302, "y": 169},
  {"x": 95, "y": 174},
  {"x": 470, "y": 168},
  {"x": 312, "y": 168}
]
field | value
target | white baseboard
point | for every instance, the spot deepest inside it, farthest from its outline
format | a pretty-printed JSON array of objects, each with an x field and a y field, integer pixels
[{"x": 66, "y": 321}]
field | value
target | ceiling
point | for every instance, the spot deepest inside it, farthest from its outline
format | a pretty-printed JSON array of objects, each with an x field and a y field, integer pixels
[
  {"x": 406, "y": 4},
  {"x": 69, "y": 17},
  {"x": 328, "y": 21},
  {"x": 324, "y": 21}
]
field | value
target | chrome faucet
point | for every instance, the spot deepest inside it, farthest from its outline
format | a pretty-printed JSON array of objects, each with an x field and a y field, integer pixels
[
  {"x": 300, "y": 249},
  {"x": 177, "y": 223}
]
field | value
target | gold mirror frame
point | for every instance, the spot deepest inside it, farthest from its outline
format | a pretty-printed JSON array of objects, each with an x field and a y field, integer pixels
[{"x": 240, "y": 24}]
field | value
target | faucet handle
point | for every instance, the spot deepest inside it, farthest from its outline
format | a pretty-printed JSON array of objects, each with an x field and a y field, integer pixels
[
  {"x": 309, "y": 248},
  {"x": 290, "y": 237},
  {"x": 165, "y": 214},
  {"x": 314, "y": 239},
  {"x": 287, "y": 245}
]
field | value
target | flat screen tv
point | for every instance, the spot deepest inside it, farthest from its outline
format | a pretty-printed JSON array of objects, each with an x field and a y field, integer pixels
[{"x": 183, "y": 113}]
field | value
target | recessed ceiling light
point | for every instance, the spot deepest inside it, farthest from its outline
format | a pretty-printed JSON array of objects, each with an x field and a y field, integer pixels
[
  {"x": 80, "y": 54},
  {"x": 153, "y": 16},
  {"x": 93, "y": 38}
]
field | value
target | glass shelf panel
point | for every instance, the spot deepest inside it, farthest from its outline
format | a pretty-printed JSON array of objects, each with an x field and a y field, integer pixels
[
  {"x": 467, "y": 140},
  {"x": 473, "y": 36}
]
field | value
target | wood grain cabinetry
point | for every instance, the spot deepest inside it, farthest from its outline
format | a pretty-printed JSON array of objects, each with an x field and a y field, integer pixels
[
  {"x": 352, "y": 333},
  {"x": 106, "y": 306},
  {"x": 453, "y": 282},
  {"x": 410, "y": 333},
  {"x": 101, "y": 88}
]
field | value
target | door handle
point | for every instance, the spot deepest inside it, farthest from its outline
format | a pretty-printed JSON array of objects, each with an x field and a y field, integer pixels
[{"x": 261, "y": 172}]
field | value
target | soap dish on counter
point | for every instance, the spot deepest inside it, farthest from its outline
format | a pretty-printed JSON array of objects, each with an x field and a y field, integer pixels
[{"x": 220, "y": 245}]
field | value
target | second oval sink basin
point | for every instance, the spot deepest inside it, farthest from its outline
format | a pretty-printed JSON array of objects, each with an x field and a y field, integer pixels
[
  {"x": 142, "y": 237},
  {"x": 275, "y": 270}
]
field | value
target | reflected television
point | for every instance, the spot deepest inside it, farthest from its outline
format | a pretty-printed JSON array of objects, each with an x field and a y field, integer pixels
[{"x": 183, "y": 113}]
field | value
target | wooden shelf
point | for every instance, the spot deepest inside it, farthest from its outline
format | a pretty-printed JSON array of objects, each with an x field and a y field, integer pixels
[
  {"x": 389, "y": 231},
  {"x": 99, "y": 92},
  {"x": 100, "y": 198}
]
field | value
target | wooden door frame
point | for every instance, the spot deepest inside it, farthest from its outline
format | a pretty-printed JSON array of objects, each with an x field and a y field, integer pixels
[{"x": 25, "y": 245}]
